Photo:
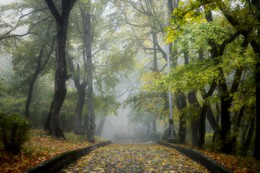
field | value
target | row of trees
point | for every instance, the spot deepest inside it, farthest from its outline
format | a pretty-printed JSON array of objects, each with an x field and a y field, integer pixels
[
  {"x": 68, "y": 39},
  {"x": 214, "y": 59},
  {"x": 214, "y": 76},
  {"x": 213, "y": 48}
]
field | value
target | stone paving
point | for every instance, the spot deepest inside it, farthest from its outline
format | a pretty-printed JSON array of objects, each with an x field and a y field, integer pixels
[{"x": 135, "y": 158}]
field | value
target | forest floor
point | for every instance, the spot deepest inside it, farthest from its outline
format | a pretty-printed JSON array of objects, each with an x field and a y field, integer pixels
[
  {"x": 38, "y": 149},
  {"x": 115, "y": 157}
]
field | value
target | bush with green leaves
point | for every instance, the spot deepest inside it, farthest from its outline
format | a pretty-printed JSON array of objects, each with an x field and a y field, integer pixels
[{"x": 13, "y": 131}]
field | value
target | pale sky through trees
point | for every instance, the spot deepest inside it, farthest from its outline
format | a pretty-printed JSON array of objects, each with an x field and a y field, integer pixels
[{"x": 2, "y": 2}]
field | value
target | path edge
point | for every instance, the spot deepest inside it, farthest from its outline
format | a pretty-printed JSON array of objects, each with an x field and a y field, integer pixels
[
  {"x": 210, "y": 164},
  {"x": 58, "y": 162}
]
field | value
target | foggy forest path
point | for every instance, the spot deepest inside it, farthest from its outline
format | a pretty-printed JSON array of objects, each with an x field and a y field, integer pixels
[{"x": 135, "y": 158}]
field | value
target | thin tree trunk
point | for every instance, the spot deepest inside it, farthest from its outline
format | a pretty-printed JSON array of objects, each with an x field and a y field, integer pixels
[
  {"x": 88, "y": 38},
  {"x": 78, "y": 129},
  {"x": 39, "y": 68},
  {"x": 101, "y": 126},
  {"x": 29, "y": 96}
]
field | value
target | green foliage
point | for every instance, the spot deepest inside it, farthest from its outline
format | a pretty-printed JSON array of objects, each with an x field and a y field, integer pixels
[
  {"x": 14, "y": 131},
  {"x": 193, "y": 76},
  {"x": 153, "y": 102},
  {"x": 106, "y": 105}
]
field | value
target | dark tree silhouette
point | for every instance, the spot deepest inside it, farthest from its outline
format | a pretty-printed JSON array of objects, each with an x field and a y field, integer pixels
[{"x": 61, "y": 17}]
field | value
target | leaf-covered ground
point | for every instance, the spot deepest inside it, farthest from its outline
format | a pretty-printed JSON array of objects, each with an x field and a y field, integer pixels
[
  {"x": 236, "y": 163},
  {"x": 39, "y": 148},
  {"x": 136, "y": 158}
]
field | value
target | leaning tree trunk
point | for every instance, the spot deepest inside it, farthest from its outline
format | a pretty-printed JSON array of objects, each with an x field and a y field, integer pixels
[
  {"x": 29, "y": 95},
  {"x": 52, "y": 124},
  {"x": 39, "y": 68},
  {"x": 32, "y": 82},
  {"x": 101, "y": 126}
]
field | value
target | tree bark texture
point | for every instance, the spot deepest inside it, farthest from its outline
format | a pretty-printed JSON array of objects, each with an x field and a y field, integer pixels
[{"x": 52, "y": 124}]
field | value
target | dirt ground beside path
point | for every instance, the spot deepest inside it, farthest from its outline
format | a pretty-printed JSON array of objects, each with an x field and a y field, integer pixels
[{"x": 135, "y": 158}]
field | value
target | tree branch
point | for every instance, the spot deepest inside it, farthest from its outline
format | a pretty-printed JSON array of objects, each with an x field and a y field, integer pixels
[{"x": 53, "y": 9}]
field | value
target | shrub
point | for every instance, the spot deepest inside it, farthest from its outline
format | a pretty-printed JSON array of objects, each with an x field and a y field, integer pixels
[{"x": 14, "y": 131}]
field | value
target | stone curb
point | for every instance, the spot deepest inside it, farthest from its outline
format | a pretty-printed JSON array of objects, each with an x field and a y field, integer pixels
[
  {"x": 57, "y": 163},
  {"x": 210, "y": 164}
]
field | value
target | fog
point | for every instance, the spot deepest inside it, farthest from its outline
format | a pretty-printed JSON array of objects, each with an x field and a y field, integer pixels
[
  {"x": 3, "y": 2},
  {"x": 119, "y": 128}
]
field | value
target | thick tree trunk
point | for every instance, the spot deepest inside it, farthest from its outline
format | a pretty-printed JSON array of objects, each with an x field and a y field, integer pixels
[
  {"x": 211, "y": 119},
  {"x": 52, "y": 124},
  {"x": 256, "y": 47},
  {"x": 192, "y": 99},
  {"x": 181, "y": 104},
  {"x": 203, "y": 113},
  {"x": 257, "y": 82}
]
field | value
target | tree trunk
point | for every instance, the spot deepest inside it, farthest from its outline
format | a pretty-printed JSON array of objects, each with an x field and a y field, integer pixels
[
  {"x": 29, "y": 96},
  {"x": 154, "y": 125},
  {"x": 257, "y": 82},
  {"x": 181, "y": 104},
  {"x": 247, "y": 141},
  {"x": 192, "y": 99},
  {"x": 88, "y": 38},
  {"x": 39, "y": 68},
  {"x": 80, "y": 105},
  {"x": 203, "y": 113},
  {"x": 155, "y": 68},
  {"x": 52, "y": 124},
  {"x": 101, "y": 126}
]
